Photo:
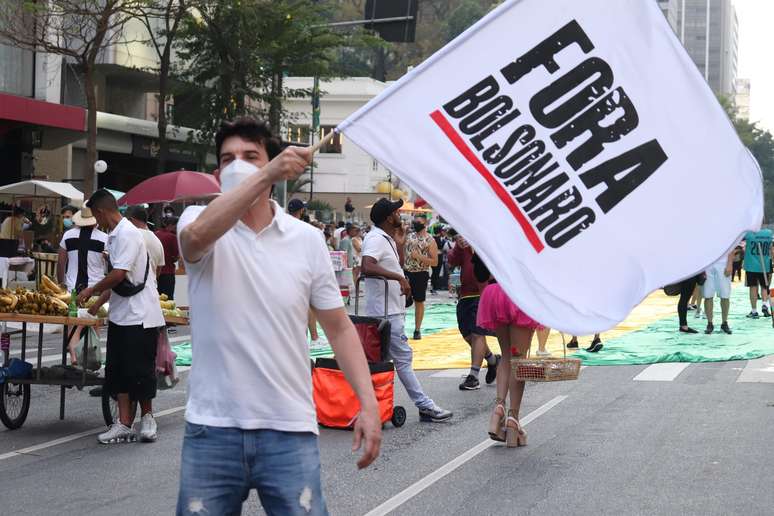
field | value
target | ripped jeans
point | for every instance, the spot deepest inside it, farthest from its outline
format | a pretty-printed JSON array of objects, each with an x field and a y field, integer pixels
[{"x": 221, "y": 465}]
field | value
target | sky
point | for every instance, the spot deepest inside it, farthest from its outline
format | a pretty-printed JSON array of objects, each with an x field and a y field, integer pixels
[{"x": 756, "y": 57}]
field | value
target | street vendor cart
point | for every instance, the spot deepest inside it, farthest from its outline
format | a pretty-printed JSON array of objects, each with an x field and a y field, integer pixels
[
  {"x": 15, "y": 399},
  {"x": 15, "y": 392}
]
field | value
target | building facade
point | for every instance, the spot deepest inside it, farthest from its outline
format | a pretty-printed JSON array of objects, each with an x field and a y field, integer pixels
[
  {"x": 670, "y": 10},
  {"x": 709, "y": 31},
  {"x": 341, "y": 169},
  {"x": 742, "y": 99},
  {"x": 52, "y": 143}
]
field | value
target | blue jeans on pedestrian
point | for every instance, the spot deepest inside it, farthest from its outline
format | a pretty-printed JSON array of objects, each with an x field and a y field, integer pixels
[
  {"x": 403, "y": 357},
  {"x": 221, "y": 465}
]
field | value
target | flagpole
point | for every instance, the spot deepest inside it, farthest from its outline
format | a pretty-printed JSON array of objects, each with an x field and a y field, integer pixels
[{"x": 326, "y": 139}]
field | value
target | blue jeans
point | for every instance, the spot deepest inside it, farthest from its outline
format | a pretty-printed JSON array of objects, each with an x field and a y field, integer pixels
[
  {"x": 221, "y": 465},
  {"x": 403, "y": 357}
]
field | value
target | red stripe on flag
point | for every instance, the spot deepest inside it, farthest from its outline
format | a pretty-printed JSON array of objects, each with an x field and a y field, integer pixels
[{"x": 498, "y": 188}]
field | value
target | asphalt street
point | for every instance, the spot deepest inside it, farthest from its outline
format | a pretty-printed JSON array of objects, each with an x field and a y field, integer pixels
[{"x": 663, "y": 439}]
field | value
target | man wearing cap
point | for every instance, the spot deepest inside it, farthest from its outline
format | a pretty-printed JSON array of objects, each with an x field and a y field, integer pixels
[
  {"x": 138, "y": 216},
  {"x": 81, "y": 263},
  {"x": 296, "y": 208},
  {"x": 383, "y": 257},
  {"x": 134, "y": 321}
]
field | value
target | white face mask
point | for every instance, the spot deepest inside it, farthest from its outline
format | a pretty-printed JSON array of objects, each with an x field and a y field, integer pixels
[{"x": 235, "y": 173}]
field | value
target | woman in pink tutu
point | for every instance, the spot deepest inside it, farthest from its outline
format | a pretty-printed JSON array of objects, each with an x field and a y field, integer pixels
[{"x": 514, "y": 329}]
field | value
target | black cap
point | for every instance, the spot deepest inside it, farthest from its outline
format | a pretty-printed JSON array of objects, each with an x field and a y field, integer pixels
[
  {"x": 295, "y": 205},
  {"x": 137, "y": 213},
  {"x": 383, "y": 208}
]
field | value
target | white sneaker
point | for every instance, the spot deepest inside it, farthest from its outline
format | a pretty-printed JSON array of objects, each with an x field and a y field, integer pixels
[
  {"x": 117, "y": 433},
  {"x": 543, "y": 353},
  {"x": 148, "y": 429}
]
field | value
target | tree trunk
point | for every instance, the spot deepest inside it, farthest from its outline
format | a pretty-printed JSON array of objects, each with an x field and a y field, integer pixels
[
  {"x": 161, "y": 165},
  {"x": 275, "y": 102},
  {"x": 89, "y": 175}
]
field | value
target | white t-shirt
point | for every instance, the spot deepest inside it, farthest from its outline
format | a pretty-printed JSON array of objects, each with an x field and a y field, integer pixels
[
  {"x": 95, "y": 261},
  {"x": 126, "y": 248},
  {"x": 155, "y": 250},
  {"x": 381, "y": 247},
  {"x": 250, "y": 298}
]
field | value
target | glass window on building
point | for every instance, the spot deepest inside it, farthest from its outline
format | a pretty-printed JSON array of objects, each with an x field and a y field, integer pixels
[
  {"x": 333, "y": 146},
  {"x": 16, "y": 71},
  {"x": 298, "y": 133}
]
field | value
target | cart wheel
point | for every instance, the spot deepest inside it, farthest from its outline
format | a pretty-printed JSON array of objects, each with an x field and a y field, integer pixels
[
  {"x": 398, "y": 416},
  {"x": 110, "y": 408},
  {"x": 14, "y": 404}
]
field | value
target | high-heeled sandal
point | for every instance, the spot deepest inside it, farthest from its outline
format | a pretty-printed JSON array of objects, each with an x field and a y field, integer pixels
[
  {"x": 496, "y": 422},
  {"x": 514, "y": 434}
]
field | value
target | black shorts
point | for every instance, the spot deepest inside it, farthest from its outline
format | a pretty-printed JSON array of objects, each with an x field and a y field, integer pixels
[
  {"x": 418, "y": 282},
  {"x": 467, "y": 311},
  {"x": 130, "y": 364},
  {"x": 754, "y": 279}
]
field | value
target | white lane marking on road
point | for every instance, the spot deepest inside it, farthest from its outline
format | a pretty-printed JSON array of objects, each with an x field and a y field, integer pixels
[
  {"x": 665, "y": 372},
  {"x": 760, "y": 370},
  {"x": 416, "y": 488},
  {"x": 73, "y": 437},
  {"x": 449, "y": 373}
]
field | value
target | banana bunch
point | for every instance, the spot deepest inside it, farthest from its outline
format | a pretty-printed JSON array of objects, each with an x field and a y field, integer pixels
[
  {"x": 166, "y": 303},
  {"x": 23, "y": 301},
  {"x": 49, "y": 287}
]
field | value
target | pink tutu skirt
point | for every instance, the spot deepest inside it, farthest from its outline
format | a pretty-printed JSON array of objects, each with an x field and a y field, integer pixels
[{"x": 495, "y": 309}]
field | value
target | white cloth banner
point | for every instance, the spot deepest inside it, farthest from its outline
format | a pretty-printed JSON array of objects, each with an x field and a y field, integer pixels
[{"x": 579, "y": 150}]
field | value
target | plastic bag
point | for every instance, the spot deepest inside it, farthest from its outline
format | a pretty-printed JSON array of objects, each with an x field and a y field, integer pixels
[
  {"x": 95, "y": 350},
  {"x": 166, "y": 370}
]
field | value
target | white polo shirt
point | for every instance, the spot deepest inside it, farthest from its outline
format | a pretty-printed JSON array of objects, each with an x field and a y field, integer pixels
[
  {"x": 250, "y": 298},
  {"x": 126, "y": 249},
  {"x": 95, "y": 259},
  {"x": 381, "y": 247},
  {"x": 155, "y": 250}
]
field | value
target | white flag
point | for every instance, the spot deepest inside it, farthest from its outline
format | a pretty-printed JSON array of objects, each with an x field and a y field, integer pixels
[{"x": 578, "y": 149}]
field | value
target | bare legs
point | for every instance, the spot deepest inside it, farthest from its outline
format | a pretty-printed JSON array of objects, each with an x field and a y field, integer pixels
[
  {"x": 419, "y": 314},
  {"x": 542, "y": 338},
  {"x": 514, "y": 343}
]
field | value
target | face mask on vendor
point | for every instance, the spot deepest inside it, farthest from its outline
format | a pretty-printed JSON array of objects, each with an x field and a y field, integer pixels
[
  {"x": 235, "y": 173},
  {"x": 67, "y": 223}
]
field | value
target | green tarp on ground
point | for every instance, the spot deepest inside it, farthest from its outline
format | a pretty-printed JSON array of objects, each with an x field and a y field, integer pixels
[
  {"x": 661, "y": 342},
  {"x": 656, "y": 342},
  {"x": 438, "y": 317}
]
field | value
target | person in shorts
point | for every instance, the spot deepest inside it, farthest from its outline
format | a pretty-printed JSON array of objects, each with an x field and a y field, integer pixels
[
  {"x": 421, "y": 254},
  {"x": 134, "y": 321},
  {"x": 757, "y": 270},
  {"x": 718, "y": 283},
  {"x": 461, "y": 255}
]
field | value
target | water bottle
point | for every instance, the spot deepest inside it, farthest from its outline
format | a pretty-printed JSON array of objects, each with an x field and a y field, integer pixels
[{"x": 72, "y": 309}]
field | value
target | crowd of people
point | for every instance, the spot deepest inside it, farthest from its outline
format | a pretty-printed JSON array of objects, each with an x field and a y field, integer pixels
[
  {"x": 753, "y": 256},
  {"x": 260, "y": 280}
]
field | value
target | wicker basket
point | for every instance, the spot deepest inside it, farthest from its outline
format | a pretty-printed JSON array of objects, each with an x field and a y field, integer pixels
[{"x": 546, "y": 369}]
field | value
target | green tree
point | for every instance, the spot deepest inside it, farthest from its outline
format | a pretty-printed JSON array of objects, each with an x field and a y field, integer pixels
[
  {"x": 236, "y": 55},
  {"x": 162, "y": 21},
  {"x": 761, "y": 145},
  {"x": 468, "y": 13}
]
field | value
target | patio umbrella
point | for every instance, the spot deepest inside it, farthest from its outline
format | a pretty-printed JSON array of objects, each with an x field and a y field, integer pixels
[{"x": 172, "y": 187}]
